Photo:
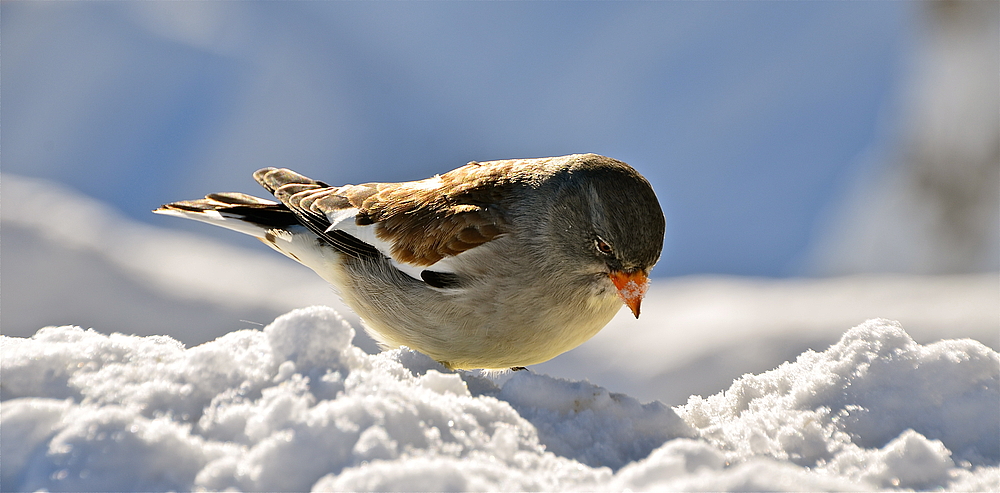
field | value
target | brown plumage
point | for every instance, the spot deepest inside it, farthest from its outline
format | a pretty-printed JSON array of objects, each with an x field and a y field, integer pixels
[{"x": 425, "y": 220}]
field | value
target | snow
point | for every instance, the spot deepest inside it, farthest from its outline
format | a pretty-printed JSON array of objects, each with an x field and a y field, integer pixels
[
  {"x": 296, "y": 406},
  {"x": 198, "y": 398},
  {"x": 697, "y": 334}
]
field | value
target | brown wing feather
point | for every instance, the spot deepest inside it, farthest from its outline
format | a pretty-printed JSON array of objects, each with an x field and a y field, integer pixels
[{"x": 424, "y": 220}]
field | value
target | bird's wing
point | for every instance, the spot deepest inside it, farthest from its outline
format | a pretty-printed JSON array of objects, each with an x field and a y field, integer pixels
[{"x": 414, "y": 223}]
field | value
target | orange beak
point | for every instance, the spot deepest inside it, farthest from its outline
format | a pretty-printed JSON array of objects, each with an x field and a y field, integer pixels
[{"x": 632, "y": 287}]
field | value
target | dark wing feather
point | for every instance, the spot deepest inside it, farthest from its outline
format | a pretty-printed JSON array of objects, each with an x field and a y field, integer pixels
[{"x": 291, "y": 189}]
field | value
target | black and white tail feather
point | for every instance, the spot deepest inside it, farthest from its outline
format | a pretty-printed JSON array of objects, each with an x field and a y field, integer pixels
[
  {"x": 271, "y": 222},
  {"x": 299, "y": 233}
]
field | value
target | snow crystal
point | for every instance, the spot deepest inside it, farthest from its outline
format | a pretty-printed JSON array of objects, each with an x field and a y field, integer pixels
[{"x": 296, "y": 406}]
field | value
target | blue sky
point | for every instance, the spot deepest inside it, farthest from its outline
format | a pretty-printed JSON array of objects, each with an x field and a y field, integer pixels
[{"x": 749, "y": 118}]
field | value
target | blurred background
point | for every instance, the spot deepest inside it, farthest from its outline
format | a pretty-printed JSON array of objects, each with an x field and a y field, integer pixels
[{"x": 790, "y": 144}]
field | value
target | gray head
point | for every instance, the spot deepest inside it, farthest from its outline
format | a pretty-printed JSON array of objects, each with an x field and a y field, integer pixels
[{"x": 604, "y": 220}]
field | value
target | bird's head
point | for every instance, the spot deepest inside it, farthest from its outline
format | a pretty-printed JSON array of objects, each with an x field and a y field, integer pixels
[{"x": 606, "y": 221}]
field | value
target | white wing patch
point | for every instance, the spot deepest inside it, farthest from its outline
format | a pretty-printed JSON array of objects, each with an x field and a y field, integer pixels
[
  {"x": 339, "y": 216},
  {"x": 343, "y": 220}
]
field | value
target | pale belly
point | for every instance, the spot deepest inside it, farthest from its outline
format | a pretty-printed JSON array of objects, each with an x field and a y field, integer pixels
[
  {"x": 509, "y": 335},
  {"x": 496, "y": 328}
]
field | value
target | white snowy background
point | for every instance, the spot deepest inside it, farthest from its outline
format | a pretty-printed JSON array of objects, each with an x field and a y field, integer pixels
[{"x": 883, "y": 375}]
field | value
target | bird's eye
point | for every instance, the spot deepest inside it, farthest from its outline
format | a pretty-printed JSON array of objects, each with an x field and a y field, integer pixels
[{"x": 603, "y": 246}]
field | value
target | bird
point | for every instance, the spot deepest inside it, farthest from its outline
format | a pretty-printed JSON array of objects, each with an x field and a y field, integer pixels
[{"x": 493, "y": 265}]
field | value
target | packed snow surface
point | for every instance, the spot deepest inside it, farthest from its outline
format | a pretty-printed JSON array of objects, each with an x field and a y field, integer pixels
[{"x": 296, "y": 406}]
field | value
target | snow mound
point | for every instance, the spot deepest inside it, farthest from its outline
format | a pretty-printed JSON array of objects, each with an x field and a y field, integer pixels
[
  {"x": 296, "y": 406},
  {"x": 876, "y": 407}
]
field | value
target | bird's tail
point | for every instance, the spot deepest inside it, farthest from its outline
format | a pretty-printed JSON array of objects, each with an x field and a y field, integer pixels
[{"x": 236, "y": 211}]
